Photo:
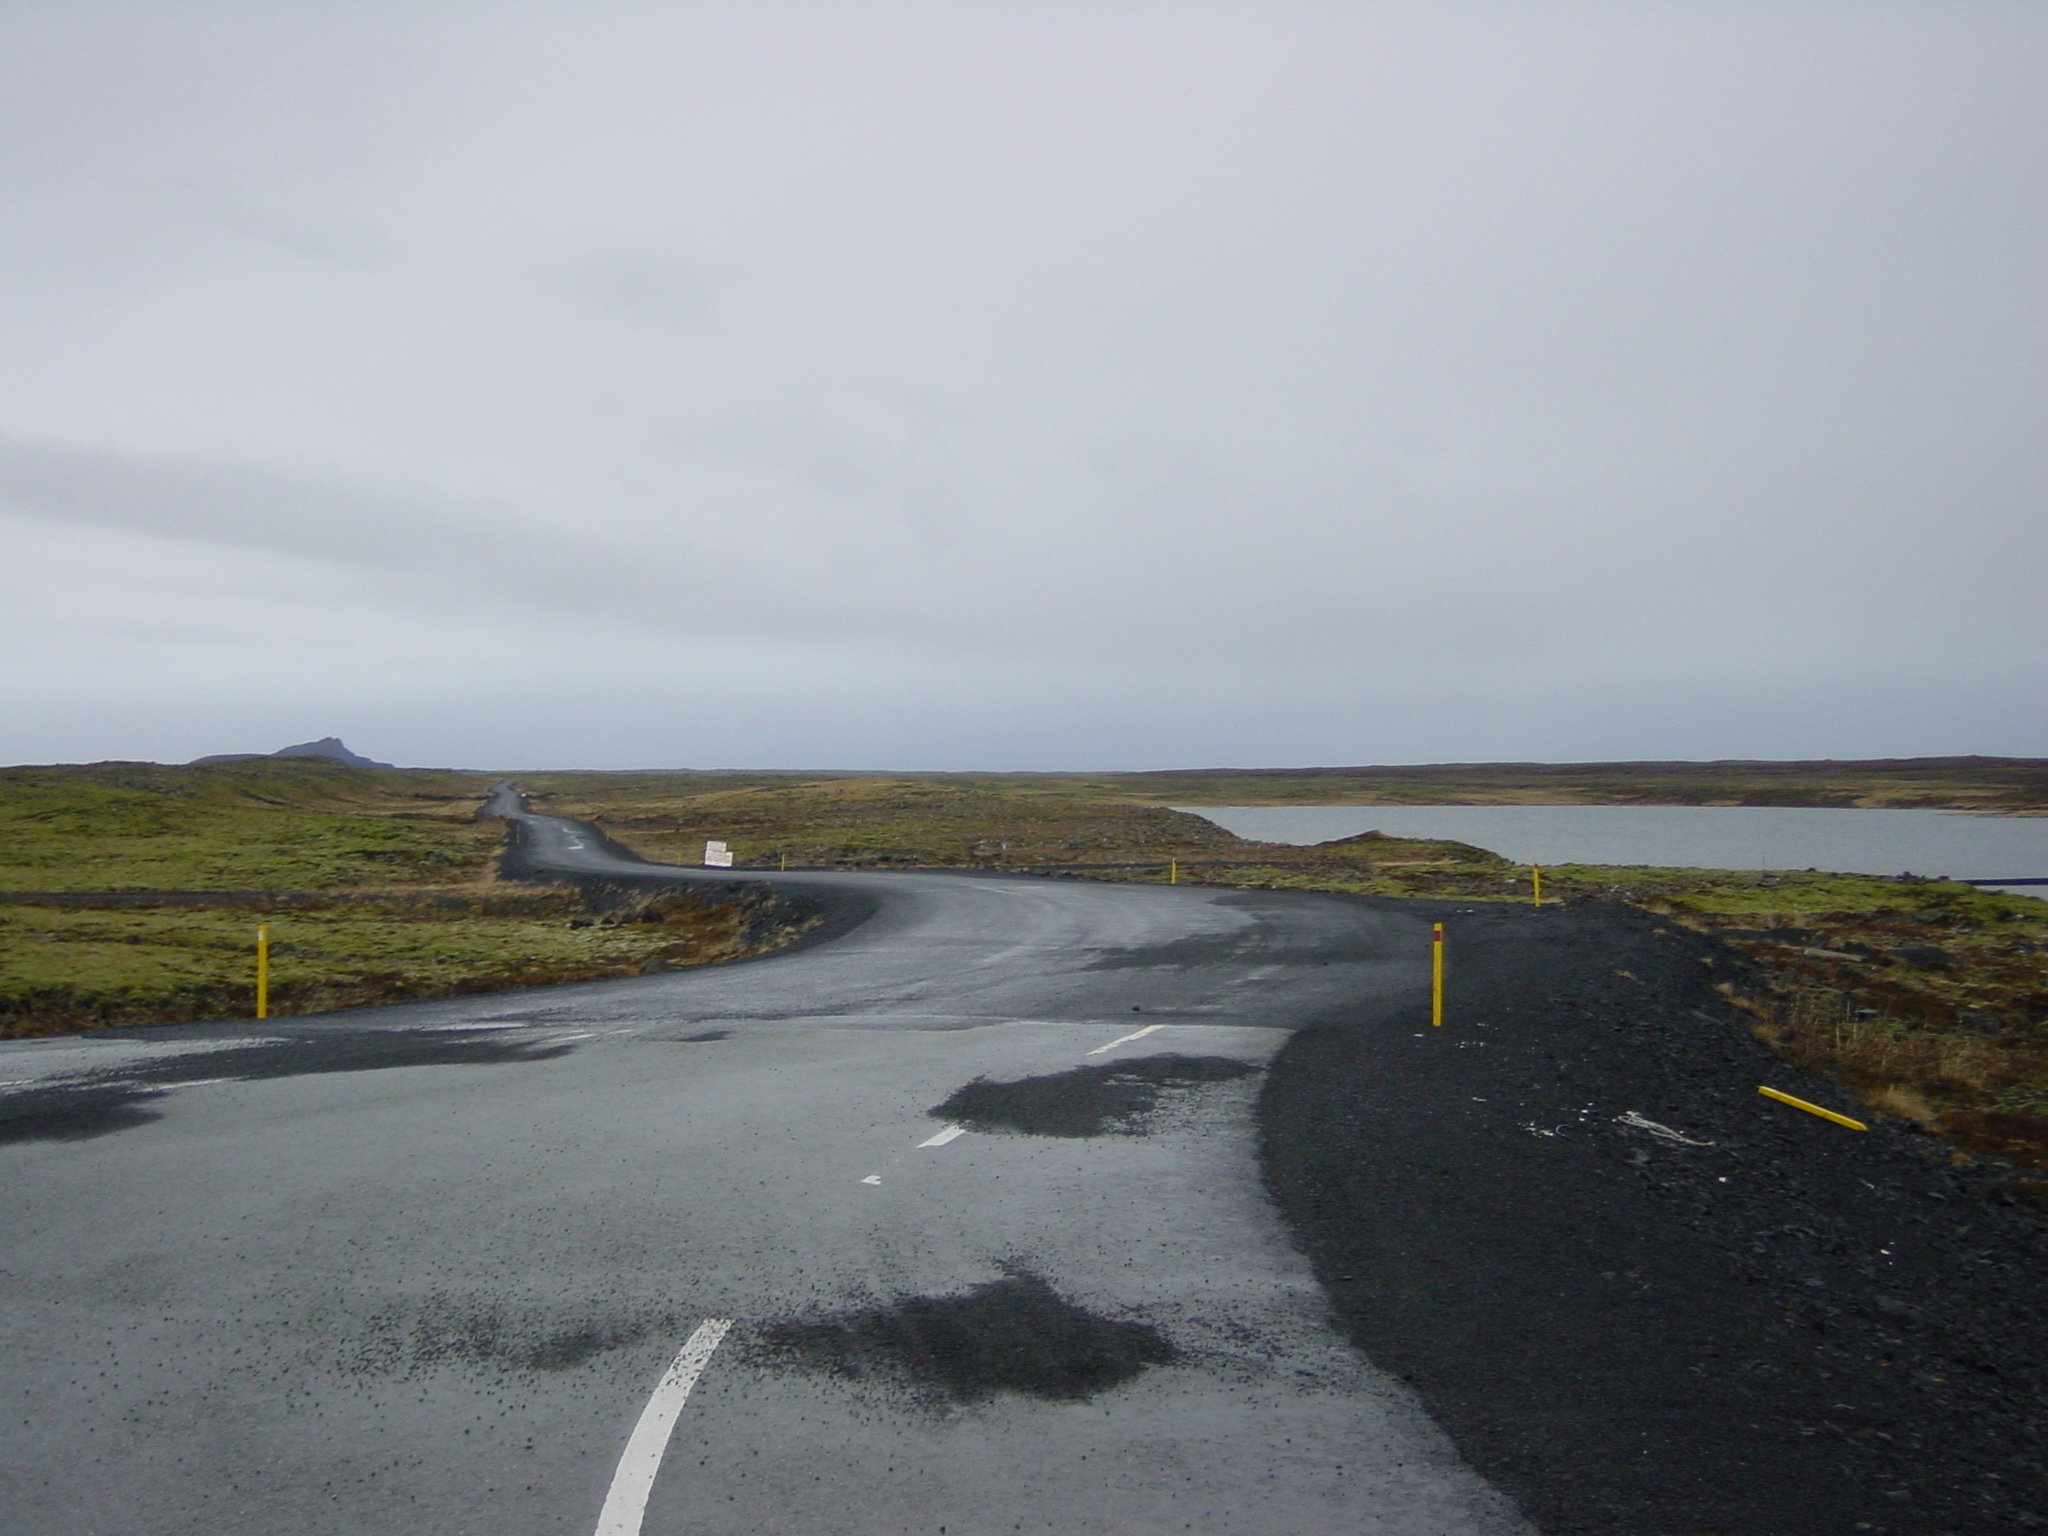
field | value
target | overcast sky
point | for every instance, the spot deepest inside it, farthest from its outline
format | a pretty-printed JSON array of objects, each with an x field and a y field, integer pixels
[{"x": 1020, "y": 385}]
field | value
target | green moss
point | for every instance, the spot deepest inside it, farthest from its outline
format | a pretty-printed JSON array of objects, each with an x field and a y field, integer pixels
[
  {"x": 1968, "y": 783},
  {"x": 267, "y": 826},
  {"x": 958, "y": 822},
  {"x": 71, "y": 967}
]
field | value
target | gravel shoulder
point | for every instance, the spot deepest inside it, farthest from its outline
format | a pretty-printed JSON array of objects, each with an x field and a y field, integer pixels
[{"x": 1773, "y": 1325}]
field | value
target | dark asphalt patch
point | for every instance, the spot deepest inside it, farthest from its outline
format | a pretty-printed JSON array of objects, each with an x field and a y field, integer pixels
[
  {"x": 77, "y": 1109},
  {"x": 1088, "y": 1101},
  {"x": 705, "y": 1038},
  {"x": 462, "y": 1332},
  {"x": 1178, "y": 954},
  {"x": 1265, "y": 940},
  {"x": 66, "y": 1112},
  {"x": 1784, "y": 1327},
  {"x": 357, "y": 1050},
  {"x": 1011, "y": 1335}
]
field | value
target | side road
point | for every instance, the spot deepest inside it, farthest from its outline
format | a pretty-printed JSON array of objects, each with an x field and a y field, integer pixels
[{"x": 1740, "y": 1319}]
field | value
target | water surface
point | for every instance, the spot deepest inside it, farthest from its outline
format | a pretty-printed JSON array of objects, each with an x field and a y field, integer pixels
[{"x": 1948, "y": 843}]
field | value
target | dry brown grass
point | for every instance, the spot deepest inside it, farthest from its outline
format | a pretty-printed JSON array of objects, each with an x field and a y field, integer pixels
[
  {"x": 1942, "y": 1080},
  {"x": 1902, "y": 1102}
]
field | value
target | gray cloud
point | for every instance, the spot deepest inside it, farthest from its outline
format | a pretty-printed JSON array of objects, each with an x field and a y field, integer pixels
[
  {"x": 1110, "y": 384},
  {"x": 649, "y": 286}
]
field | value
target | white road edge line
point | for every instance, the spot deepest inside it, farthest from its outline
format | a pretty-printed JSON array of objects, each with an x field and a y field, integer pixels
[
  {"x": 626, "y": 1504},
  {"x": 948, "y": 1134},
  {"x": 1136, "y": 1034}
]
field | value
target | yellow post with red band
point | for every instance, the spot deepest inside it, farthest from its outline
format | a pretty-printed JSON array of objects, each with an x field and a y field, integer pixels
[{"x": 1436, "y": 975}]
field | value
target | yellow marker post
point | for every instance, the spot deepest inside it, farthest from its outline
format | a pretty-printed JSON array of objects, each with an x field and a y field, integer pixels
[
  {"x": 1173, "y": 871},
  {"x": 1813, "y": 1109},
  {"x": 785, "y": 861},
  {"x": 263, "y": 972},
  {"x": 1535, "y": 885},
  {"x": 1436, "y": 975}
]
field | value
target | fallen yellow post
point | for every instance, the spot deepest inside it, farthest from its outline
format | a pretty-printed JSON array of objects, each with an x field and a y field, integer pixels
[{"x": 1813, "y": 1109}]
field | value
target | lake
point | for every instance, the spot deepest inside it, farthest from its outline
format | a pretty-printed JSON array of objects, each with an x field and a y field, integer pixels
[{"x": 1950, "y": 843}]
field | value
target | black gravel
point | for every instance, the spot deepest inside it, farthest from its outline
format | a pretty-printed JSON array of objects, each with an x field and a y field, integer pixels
[
  {"x": 1791, "y": 1330},
  {"x": 1087, "y": 1101},
  {"x": 1011, "y": 1335}
]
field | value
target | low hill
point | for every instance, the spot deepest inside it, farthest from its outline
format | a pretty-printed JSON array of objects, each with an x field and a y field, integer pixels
[{"x": 330, "y": 747}]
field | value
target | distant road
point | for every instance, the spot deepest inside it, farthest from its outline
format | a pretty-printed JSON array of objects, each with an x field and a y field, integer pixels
[{"x": 688, "y": 1253}]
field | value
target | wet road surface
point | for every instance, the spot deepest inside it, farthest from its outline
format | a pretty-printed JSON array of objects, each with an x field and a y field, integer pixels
[{"x": 428, "y": 1268}]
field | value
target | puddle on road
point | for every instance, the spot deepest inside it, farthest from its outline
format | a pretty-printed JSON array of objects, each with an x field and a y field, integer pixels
[
  {"x": 1112, "y": 1099},
  {"x": 76, "y": 1109},
  {"x": 1011, "y": 1335},
  {"x": 368, "y": 1050}
]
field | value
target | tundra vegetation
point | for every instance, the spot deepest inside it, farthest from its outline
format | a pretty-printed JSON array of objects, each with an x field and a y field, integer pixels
[
  {"x": 131, "y": 891},
  {"x": 2003, "y": 785}
]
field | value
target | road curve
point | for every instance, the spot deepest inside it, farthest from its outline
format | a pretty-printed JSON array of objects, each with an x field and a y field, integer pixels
[{"x": 467, "y": 1266}]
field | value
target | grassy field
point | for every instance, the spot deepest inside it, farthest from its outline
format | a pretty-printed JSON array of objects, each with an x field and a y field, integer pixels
[
  {"x": 376, "y": 885},
  {"x": 2008, "y": 785},
  {"x": 1931, "y": 998},
  {"x": 884, "y": 822},
  {"x": 292, "y": 824},
  {"x": 71, "y": 967}
]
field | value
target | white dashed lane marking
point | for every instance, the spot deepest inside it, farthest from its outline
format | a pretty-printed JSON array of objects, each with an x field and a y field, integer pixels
[
  {"x": 1136, "y": 1034},
  {"x": 948, "y": 1134},
  {"x": 626, "y": 1504}
]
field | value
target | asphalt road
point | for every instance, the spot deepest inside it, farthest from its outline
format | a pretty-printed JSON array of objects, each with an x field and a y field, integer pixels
[{"x": 426, "y": 1269}]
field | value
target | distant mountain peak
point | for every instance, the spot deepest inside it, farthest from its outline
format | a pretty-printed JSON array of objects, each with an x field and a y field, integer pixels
[{"x": 330, "y": 747}]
